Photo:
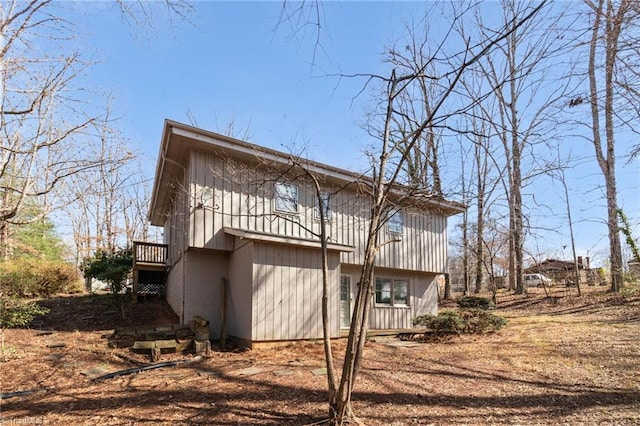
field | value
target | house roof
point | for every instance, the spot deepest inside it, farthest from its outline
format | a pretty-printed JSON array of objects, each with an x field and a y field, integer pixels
[
  {"x": 553, "y": 265},
  {"x": 179, "y": 139}
]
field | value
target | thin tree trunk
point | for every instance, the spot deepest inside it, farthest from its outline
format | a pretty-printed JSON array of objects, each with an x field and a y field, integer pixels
[
  {"x": 482, "y": 176},
  {"x": 573, "y": 242},
  {"x": 465, "y": 253}
]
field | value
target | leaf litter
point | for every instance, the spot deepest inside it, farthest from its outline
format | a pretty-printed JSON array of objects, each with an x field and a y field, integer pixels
[{"x": 559, "y": 360}]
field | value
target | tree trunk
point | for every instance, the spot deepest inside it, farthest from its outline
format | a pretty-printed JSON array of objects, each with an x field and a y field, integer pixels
[
  {"x": 573, "y": 242},
  {"x": 516, "y": 154},
  {"x": 465, "y": 253},
  {"x": 447, "y": 287},
  {"x": 613, "y": 21},
  {"x": 482, "y": 176},
  {"x": 5, "y": 250}
]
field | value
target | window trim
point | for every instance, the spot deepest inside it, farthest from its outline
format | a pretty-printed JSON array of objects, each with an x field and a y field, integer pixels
[
  {"x": 279, "y": 199},
  {"x": 392, "y": 292},
  {"x": 395, "y": 217}
]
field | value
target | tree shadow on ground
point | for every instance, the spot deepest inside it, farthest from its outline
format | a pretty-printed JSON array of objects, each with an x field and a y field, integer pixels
[{"x": 256, "y": 400}]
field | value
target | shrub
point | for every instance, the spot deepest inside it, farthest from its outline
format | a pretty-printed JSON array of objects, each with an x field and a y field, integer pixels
[
  {"x": 15, "y": 312},
  {"x": 16, "y": 277},
  {"x": 23, "y": 277},
  {"x": 474, "y": 302},
  {"x": 473, "y": 321},
  {"x": 54, "y": 278},
  {"x": 111, "y": 267},
  {"x": 480, "y": 321},
  {"x": 447, "y": 322},
  {"x": 76, "y": 286}
]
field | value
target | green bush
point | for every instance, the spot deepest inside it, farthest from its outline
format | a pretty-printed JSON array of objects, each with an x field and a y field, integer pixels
[
  {"x": 474, "y": 302},
  {"x": 15, "y": 312},
  {"x": 472, "y": 321},
  {"x": 481, "y": 321},
  {"x": 111, "y": 267},
  {"x": 447, "y": 322}
]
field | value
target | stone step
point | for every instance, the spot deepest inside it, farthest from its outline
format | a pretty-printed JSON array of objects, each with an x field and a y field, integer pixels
[{"x": 163, "y": 345}]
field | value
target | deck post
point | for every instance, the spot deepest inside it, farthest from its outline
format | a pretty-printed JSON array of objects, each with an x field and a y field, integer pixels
[{"x": 134, "y": 292}]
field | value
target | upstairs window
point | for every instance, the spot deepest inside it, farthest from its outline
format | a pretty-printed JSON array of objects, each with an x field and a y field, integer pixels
[
  {"x": 286, "y": 198},
  {"x": 325, "y": 204},
  {"x": 395, "y": 222}
]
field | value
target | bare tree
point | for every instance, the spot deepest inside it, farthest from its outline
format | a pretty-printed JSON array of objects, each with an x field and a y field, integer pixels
[
  {"x": 466, "y": 193},
  {"x": 520, "y": 71},
  {"x": 97, "y": 202},
  {"x": 496, "y": 244},
  {"x": 477, "y": 131},
  {"x": 140, "y": 13},
  {"x": 614, "y": 85},
  {"x": 413, "y": 104},
  {"x": 48, "y": 138},
  {"x": 477, "y": 190},
  {"x": 42, "y": 124},
  {"x": 303, "y": 19},
  {"x": 560, "y": 176},
  {"x": 482, "y": 171},
  {"x": 135, "y": 205},
  {"x": 388, "y": 167}
]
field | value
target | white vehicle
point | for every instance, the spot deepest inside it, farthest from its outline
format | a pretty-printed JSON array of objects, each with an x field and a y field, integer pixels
[{"x": 536, "y": 280}]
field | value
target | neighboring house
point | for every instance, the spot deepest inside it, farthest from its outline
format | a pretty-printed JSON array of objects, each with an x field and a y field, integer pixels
[
  {"x": 238, "y": 222},
  {"x": 563, "y": 272}
]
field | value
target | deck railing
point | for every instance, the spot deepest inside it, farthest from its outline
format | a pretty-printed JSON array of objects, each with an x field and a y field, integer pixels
[{"x": 149, "y": 253}]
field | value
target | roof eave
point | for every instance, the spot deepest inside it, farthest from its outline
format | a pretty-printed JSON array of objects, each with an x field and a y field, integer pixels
[{"x": 168, "y": 167}]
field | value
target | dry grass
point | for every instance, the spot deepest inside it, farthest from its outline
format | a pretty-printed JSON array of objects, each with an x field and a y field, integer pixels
[{"x": 562, "y": 360}]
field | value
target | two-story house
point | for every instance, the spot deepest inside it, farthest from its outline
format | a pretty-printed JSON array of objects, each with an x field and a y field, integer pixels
[{"x": 241, "y": 229}]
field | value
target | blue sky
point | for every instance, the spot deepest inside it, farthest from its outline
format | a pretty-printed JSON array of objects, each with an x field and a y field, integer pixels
[{"x": 231, "y": 64}]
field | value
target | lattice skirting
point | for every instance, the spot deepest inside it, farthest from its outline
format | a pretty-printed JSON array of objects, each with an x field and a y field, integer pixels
[{"x": 145, "y": 288}]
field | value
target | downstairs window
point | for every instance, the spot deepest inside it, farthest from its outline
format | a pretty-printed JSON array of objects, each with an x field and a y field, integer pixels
[{"x": 392, "y": 291}]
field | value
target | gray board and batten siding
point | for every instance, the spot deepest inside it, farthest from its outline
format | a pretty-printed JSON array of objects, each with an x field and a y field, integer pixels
[{"x": 237, "y": 195}]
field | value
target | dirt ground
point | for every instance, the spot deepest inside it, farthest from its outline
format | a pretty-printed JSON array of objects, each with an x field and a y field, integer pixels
[{"x": 559, "y": 360}]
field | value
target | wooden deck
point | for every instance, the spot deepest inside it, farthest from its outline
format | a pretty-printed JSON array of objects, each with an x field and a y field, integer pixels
[
  {"x": 149, "y": 259},
  {"x": 149, "y": 256}
]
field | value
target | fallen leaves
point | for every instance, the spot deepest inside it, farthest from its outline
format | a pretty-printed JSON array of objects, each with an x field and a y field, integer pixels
[{"x": 568, "y": 362}]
